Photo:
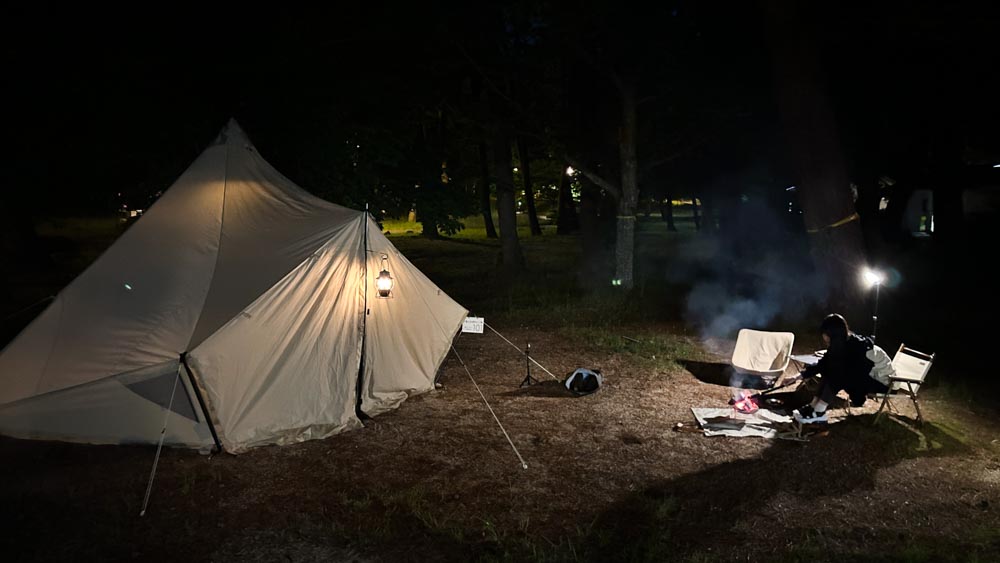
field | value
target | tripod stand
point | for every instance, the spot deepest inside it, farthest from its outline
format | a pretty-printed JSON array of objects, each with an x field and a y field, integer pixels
[{"x": 528, "y": 379}]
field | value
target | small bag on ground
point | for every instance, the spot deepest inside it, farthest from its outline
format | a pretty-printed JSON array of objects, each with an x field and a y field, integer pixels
[{"x": 584, "y": 381}]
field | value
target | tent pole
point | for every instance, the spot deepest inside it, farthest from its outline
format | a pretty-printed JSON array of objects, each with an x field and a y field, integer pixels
[
  {"x": 364, "y": 323},
  {"x": 201, "y": 401}
]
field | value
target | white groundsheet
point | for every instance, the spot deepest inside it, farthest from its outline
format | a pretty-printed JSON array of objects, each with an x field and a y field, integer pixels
[{"x": 761, "y": 423}]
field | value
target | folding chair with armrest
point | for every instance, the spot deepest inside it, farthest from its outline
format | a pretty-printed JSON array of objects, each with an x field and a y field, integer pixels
[
  {"x": 761, "y": 353},
  {"x": 911, "y": 370}
]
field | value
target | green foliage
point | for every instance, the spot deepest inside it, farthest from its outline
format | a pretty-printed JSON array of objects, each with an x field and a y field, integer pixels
[{"x": 442, "y": 206}]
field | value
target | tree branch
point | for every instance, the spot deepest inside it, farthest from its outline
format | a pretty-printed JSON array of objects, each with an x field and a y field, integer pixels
[
  {"x": 486, "y": 79},
  {"x": 599, "y": 66},
  {"x": 651, "y": 164},
  {"x": 594, "y": 177}
]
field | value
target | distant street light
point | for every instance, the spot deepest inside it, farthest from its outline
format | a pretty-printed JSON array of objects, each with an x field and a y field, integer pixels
[
  {"x": 570, "y": 171},
  {"x": 876, "y": 278}
]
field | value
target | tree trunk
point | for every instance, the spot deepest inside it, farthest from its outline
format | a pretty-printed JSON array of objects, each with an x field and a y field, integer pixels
[
  {"x": 667, "y": 213},
  {"x": 709, "y": 213},
  {"x": 484, "y": 191},
  {"x": 695, "y": 214},
  {"x": 594, "y": 234},
  {"x": 948, "y": 180},
  {"x": 431, "y": 230},
  {"x": 512, "y": 259},
  {"x": 625, "y": 240},
  {"x": 867, "y": 206},
  {"x": 567, "y": 221},
  {"x": 529, "y": 194},
  {"x": 827, "y": 203},
  {"x": 892, "y": 218}
]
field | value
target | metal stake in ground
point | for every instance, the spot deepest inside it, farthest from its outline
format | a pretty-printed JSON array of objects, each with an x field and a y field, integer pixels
[{"x": 528, "y": 380}]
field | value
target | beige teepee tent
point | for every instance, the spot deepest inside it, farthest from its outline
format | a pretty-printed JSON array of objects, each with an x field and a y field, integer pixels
[{"x": 238, "y": 303}]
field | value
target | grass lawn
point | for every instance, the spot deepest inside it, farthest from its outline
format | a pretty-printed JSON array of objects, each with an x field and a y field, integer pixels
[{"x": 610, "y": 477}]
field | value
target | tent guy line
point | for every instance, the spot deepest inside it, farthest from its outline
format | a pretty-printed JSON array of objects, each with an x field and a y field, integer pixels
[
  {"x": 502, "y": 429},
  {"x": 159, "y": 446},
  {"x": 469, "y": 373},
  {"x": 521, "y": 351}
]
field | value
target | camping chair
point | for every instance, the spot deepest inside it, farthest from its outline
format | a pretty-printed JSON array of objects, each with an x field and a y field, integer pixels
[
  {"x": 764, "y": 354},
  {"x": 911, "y": 370}
]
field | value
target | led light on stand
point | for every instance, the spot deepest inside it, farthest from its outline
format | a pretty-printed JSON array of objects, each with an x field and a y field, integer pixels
[{"x": 873, "y": 277}]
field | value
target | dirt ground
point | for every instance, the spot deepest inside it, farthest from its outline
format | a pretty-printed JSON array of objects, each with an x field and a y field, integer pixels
[{"x": 609, "y": 478}]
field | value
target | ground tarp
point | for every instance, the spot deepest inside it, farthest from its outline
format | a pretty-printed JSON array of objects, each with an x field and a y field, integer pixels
[{"x": 728, "y": 422}]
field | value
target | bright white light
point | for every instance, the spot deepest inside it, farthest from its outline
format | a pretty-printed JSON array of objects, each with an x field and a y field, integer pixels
[
  {"x": 128, "y": 287},
  {"x": 996, "y": 166},
  {"x": 873, "y": 277},
  {"x": 790, "y": 189},
  {"x": 570, "y": 171},
  {"x": 383, "y": 283},
  {"x": 515, "y": 169}
]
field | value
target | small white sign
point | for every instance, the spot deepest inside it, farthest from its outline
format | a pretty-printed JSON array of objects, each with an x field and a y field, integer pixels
[{"x": 473, "y": 324}]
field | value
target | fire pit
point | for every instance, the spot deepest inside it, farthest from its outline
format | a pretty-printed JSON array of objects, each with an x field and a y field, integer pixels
[{"x": 746, "y": 402}]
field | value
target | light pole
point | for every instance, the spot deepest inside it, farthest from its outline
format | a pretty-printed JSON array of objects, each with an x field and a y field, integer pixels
[{"x": 874, "y": 277}]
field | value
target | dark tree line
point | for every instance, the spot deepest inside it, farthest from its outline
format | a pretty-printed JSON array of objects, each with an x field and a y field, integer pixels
[{"x": 408, "y": 107}]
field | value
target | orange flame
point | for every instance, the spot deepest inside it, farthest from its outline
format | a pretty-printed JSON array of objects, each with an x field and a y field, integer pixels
[{"x": 746, "y": 404}]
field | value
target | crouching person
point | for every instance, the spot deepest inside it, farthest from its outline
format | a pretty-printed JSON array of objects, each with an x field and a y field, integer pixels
[{"x": 852, "y": 363}]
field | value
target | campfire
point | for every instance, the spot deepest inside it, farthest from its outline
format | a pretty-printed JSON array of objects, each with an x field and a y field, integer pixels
[{"x": 746, "y": 402}]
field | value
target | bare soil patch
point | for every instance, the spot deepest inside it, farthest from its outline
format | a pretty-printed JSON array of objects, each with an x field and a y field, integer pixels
[{"x": 608, "y": 478}]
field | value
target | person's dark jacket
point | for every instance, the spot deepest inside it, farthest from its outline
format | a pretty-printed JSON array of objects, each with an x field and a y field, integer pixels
[{"x": 844, "y": 362}]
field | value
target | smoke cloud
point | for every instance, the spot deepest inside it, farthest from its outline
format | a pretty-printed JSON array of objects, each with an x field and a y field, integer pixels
[{"x": 756, "y": 270}]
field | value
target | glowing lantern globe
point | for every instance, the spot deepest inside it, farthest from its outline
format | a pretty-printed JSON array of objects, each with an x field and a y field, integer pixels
[{"x": 384, "y": 284}]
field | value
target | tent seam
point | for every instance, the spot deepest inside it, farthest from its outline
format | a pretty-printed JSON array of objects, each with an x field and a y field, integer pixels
[{"x": 218, "y": 250}]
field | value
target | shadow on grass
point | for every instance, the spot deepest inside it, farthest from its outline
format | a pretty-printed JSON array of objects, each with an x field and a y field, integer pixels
[
  {"x": 715, "y": 373},
  {"x": 699, "y": 516},
  {"x": 549, "y": 388}
]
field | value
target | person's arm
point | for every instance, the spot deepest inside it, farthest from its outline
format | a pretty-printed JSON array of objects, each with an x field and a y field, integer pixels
[{"x": 815, "y": 369}]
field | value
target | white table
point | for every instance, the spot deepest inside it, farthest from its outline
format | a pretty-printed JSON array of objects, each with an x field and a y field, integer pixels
[{"x": 809, "y": 359}]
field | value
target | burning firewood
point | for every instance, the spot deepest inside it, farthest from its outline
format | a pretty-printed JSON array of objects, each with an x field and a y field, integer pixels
[{"x": 747, "y": 403}]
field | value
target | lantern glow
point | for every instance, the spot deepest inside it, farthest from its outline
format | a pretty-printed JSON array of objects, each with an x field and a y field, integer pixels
[{"x": 383, "y": 283}]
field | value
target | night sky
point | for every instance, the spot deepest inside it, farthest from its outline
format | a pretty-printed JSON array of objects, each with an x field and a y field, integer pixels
[{"x": 107, "y": 100}]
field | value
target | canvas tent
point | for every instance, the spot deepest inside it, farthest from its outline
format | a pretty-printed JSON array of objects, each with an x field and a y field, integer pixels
[{"x": 237, "y": 301}]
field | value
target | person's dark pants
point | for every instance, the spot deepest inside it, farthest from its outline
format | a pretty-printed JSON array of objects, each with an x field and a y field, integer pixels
[{"x": 857, "y": 389}]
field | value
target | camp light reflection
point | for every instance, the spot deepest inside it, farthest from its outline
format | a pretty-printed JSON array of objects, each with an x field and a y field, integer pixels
[{"x": 383, "y": 283}]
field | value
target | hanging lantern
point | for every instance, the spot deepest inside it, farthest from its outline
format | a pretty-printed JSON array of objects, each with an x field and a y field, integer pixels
[{"x": 383, "y": 283}]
